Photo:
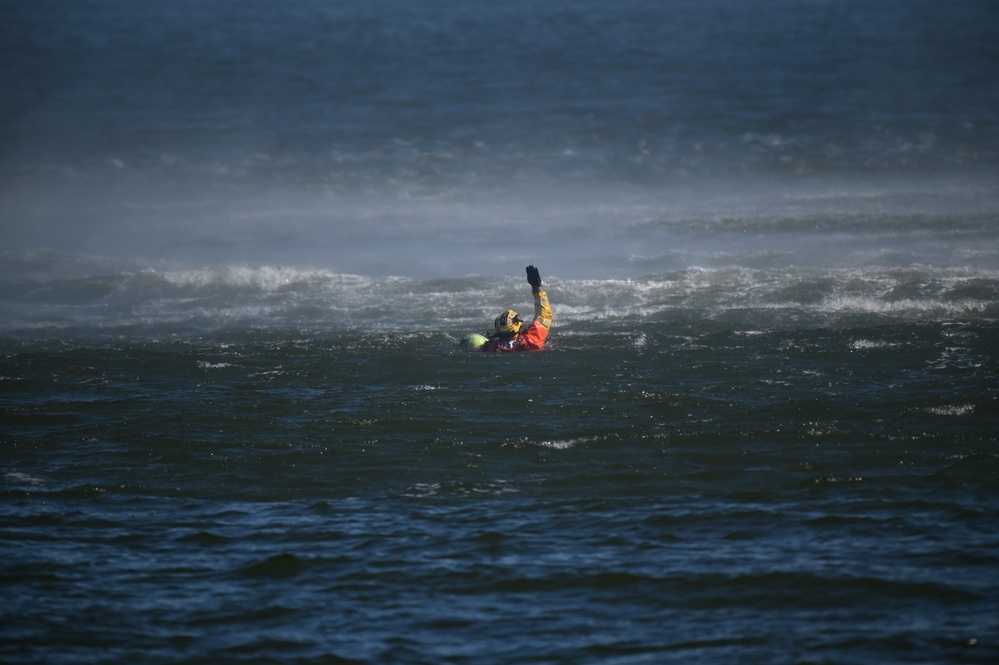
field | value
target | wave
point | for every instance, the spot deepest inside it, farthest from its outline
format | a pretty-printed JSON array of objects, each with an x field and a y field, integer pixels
[{"x": 74, "y": 292}]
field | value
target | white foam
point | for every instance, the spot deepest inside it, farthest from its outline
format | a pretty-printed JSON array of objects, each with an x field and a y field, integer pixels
[
  {"x": 866, "y": 344},
  {"x": 265, "y": 278},
  {"x": 565, "y": 444},
  {"x": 952, "y": 410},
  {"x": 282, "y": 296},
  {"x": 203, "y": 364}
]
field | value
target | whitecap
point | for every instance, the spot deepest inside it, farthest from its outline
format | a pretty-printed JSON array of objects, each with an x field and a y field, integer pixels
[
  {"x": 952, "y": 410},
  {"x": 204, "y": 364},
  {"x": 867, "y": 344}
]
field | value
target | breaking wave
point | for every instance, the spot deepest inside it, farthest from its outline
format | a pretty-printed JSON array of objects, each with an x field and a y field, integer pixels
[{"x": 107, "y": 297}]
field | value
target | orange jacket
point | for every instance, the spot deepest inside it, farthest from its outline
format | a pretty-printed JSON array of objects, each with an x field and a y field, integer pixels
[{"x": 533, "y": 338}]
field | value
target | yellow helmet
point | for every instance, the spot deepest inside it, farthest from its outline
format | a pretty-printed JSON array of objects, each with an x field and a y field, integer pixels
[{"x": 508, "y": 324}]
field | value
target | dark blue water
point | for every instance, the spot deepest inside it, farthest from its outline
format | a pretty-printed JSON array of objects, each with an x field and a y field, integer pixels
[{"x": 240, "y": 241}]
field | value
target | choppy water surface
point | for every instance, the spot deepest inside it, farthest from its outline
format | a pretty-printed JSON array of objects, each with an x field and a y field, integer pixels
[{"x": 661, "y": 487}]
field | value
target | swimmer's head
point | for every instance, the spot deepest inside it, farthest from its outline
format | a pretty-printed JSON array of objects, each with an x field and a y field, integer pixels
[{"x": 508, "y": 324}]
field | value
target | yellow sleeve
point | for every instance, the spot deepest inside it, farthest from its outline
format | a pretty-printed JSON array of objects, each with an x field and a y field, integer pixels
[{"x": 542, "y": 309}]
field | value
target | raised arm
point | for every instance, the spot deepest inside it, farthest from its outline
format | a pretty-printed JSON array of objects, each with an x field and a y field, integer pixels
[{"x": 542, "y": 308}]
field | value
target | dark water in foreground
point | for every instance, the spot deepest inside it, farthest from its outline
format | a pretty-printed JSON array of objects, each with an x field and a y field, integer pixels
[
  {"x": 670, "y": 491},
  {"x": 240, "y": 240}
]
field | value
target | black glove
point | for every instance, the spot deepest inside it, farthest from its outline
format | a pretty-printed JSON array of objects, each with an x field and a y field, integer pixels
[{"x": 533, "y": 277}]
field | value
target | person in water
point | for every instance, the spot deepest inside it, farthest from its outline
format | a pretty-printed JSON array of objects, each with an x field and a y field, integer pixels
[{"x": 510, "y": 333}]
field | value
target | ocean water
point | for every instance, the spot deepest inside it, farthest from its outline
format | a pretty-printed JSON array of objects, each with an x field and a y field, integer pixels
[{"x": 239, "y": 242}]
